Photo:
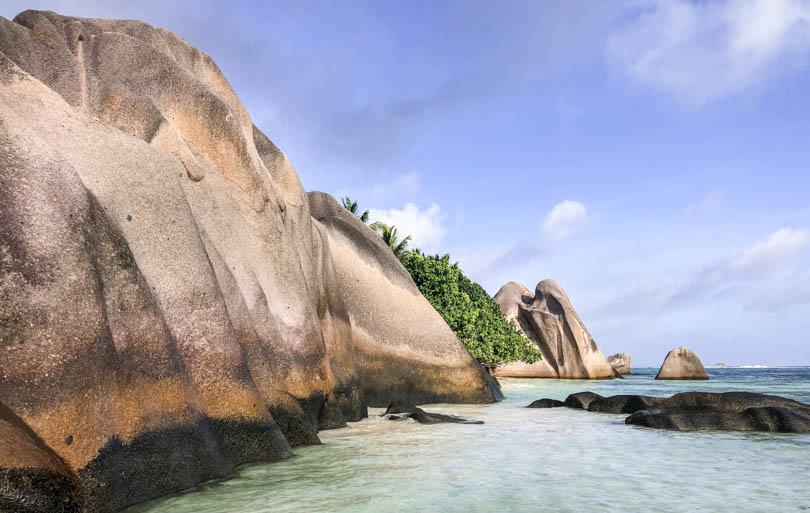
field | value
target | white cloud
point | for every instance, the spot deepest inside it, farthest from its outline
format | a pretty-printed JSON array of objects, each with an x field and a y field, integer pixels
[
  {"x": 564, "y": 219},
  {"x": 778, "y": 248},
  {"x": 701, "y": 51},
  {"x": 424, "y": 226}
]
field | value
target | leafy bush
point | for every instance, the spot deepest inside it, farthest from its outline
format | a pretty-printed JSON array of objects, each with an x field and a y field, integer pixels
[{"x": 469, "y": 311}]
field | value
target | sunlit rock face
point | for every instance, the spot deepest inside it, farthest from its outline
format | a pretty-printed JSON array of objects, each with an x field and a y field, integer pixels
[
  {"x": 169, "y": 307},
  {"x": 549, "y": 320},
  {"x": 682, "y": 363},
  {"x": 620, "y": 362}
]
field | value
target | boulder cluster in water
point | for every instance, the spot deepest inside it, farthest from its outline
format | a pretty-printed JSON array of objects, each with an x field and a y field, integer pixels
[{"x": 690, "y": 411}]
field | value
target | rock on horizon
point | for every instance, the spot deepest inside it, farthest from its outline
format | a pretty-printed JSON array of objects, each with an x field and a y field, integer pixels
[
  {"x": 682, "y": 363},
  {"x": 170, "y": 307}
]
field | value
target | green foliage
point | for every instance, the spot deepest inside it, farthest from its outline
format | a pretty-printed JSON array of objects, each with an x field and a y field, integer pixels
[
  {"x": 389, "y": 236},
  {"x": 469, "y": 311},
  {"x": 352, "y": 207}
]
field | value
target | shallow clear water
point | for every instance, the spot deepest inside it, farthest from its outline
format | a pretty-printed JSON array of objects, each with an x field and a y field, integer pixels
[{"x": 551, "y": 460}]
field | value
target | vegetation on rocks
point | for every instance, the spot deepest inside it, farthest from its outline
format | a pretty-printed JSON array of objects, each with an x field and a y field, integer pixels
[{"x": 471, "y": 313}]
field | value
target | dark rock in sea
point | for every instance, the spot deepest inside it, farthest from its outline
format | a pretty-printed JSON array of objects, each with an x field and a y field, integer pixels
[
  {"x": 733, "y": 411},
  {"x": 623, "y": 403},
  {"x": 400, "y": 410},
  {"x": 546, "y": 403},
  {"x": 581, "y": 400}
]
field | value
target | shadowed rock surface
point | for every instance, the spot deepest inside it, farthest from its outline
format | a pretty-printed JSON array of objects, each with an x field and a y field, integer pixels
[
  {"x": 546, "y": 403},
  {"x": 399, "y": 410},
  {"x": 736, "y": 411},
  {"x": 549, "y": 320},
  {"x": 620, "y": 362},
  {"x": 581, "y": 400},
  {"x": 170, "y": 308},
  {"x": 623, "y": 403},
  {"x": 682, "y": 363}
]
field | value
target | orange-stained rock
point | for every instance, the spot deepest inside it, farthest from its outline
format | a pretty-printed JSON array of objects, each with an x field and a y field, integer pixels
[{"x": 169, "y": 307}]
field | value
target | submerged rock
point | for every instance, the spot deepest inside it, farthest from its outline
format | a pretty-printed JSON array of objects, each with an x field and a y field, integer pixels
[
  {"x": 173, "y": 303},
  {"x": 581, "y": 400},
  {"x": 620, "y": 362},
  {"x": 548, "y": 318},
  {"x": 682, "y": 363},
  {"x": 546, "y": 403},
  {"x": 399, "y": 410},
  {"x": 736, "y": 411}
]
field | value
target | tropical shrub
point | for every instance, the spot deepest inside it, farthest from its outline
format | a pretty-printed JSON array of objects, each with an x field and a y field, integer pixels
[{"x": 470, "y": 312}]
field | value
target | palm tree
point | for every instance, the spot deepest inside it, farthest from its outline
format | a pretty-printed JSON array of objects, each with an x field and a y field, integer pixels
[
  {"x": 352, "y": 207},
  {"x": 389, "y": 236}
]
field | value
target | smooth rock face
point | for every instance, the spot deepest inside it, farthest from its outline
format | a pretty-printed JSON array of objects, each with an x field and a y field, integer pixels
[
  {"x": 169, "y": 307},
  {"x": 400, "y": 410},
  {"x": 548, "y": 319},
  {"x": 736, "y": 411},
  {"x": 682, "y": 363},
  {"x": 620, "y": 362}
]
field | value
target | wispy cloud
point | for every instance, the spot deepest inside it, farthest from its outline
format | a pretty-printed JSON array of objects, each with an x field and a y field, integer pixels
[{"x": 702, "y": 51}]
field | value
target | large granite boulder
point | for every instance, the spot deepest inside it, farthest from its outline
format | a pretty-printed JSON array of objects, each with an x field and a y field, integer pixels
[
  {"x": 620, "y": 362},
  {"x": 549, "y": 320},
  {"x": 682, "y": 363},
  {"x": 736, "y": 411},
  {"x": 169, "y": 306}
]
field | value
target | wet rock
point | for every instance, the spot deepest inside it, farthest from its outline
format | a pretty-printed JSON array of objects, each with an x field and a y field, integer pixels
[
  {"x": 682, "y": 363},
  {"x": 400, "y": 410},
  {"x": 581, "y": 400},
  {"x": 736, "y": 411},
  {"x": 546, "y": 403},
  {"x": 623, "y": 403}
]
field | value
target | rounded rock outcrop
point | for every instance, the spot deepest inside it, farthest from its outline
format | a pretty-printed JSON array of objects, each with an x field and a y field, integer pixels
[
  {"x": 620, "y": 362},
  {"x": 682, "y": 363},
  {"x": 547, "y": 318},
  {"x": 173, "y": 304}
]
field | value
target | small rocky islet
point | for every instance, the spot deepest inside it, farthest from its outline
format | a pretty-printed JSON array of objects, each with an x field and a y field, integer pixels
[{"x": 692, "y": 411}]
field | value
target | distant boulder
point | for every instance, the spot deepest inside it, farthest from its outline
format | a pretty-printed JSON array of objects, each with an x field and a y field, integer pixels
[
  {"x": 720, "y": 365},
  {"x": 620, "y": 362},
  {"x": 682, "y": 363},
  {"x": 546, "y": 403},
  {"x": 548, "y": 318}
]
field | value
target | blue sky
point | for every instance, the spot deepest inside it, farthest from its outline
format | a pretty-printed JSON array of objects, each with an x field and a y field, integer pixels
[{"x": 652, "y": 156}]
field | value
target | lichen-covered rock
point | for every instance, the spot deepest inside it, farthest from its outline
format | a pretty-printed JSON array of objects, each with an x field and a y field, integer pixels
[
  {"x": 620, "y": 362},
  {"x": 549, "y": 320},
  {"x": 169, "y": 307},
  {"x": 682, "y": 363}
]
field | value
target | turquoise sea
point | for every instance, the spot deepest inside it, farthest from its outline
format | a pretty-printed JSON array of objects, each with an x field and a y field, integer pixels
[{"x": 538, "y": 460}]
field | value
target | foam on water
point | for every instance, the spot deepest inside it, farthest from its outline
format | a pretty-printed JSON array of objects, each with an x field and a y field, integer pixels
[{"x": 559, "y": 460}]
